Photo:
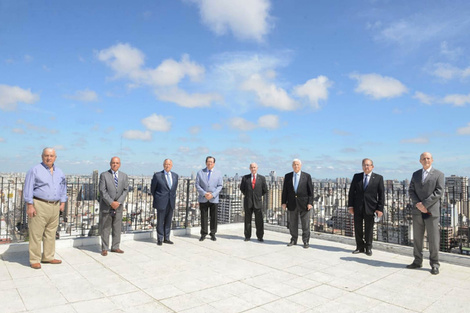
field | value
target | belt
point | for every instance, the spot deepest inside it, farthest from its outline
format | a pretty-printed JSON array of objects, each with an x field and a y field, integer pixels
[{"x": 47, "y": 201}]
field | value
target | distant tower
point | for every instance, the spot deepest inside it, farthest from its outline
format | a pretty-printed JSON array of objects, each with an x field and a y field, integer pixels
[{"x": 95, "y": 183}]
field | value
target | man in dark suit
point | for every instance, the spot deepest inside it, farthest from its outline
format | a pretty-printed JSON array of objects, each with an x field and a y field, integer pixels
[
  {"x": 253, "y": 187},
  {"x": 163, "y": 188},
  {"x": 426, "y": 189},
  {"x": 366, "y": 197},
  {"x": 113, "y": 186},
  {"x": 297, "y": 198}
]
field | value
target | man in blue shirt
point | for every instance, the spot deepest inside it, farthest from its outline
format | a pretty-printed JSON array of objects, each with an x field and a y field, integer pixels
[
  {"x": 208, "y": 184},
  {"x": 45, "y": 194}
]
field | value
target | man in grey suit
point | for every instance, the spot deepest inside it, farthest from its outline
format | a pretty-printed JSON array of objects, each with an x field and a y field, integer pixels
[
  {"x": 253, "y": 187},
  {"x": 113, "y": 187},
  {"x": 208, "y": 184},
  {"x": 163, "y": 188},
  {"x": 426, "y": 189}
]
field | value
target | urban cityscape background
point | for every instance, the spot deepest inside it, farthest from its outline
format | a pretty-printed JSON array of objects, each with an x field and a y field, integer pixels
[{"x": 330, "y": 213}]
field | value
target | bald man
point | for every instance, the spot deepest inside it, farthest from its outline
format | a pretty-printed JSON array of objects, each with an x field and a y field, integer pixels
[{"x": 253, "y": 187}]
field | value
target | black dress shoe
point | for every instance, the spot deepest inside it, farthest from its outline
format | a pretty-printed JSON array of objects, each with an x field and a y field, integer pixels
[
  {"x": 369, "y": 252},
  {"x": 306, "y": 245},
  {"x": 291, "y": 243},
  {"x": 168, "y": 242},
  {"x": 435, "y": 270},
  {"x": 247, "y": 239},
  {"x": 357, "y": 251},
  {"x": 159, "y": 243},
  {"x": 202, "y": 238},
  {"x": 414, "y": 265},
  {"x": 213, "y": 238},
  {"x": 260, "y": 239}
]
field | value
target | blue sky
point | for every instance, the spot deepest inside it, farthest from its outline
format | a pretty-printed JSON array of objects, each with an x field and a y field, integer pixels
[{"x": 329, "y": 82}]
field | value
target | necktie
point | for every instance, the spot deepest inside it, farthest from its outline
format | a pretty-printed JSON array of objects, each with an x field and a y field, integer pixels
[
  {"x": 209, "y": 175},
  {"x": 366, "y": 181},
  {"x": 425, "y": 174},
  {"x": 296, "y": 181},
  {"x": 253, "y": 181},
  {"x": 115, "y": 180},
  {"x": 168, "y": 179}
]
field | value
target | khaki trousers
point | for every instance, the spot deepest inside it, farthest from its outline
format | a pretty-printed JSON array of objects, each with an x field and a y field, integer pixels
[{"x": 42, "y": 228}]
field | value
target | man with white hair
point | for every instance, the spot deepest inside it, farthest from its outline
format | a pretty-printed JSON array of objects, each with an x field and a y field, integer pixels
[{"x": 297, "y": 198}]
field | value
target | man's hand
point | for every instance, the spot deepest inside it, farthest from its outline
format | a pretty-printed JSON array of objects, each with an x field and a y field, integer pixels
[
  {"x": 379, "y": 213},
  {"x": 115, "y": 205},
  {"x": 62, "y": 206},
  {"x": 351, "y": 210},
  {"x": 31, "y": 210},
  {"x": 284, "y": 206},
  {"x": 421, "y": 207},
  {"x": 208, "y": 195},
  {"x": 309, "y": 207}
]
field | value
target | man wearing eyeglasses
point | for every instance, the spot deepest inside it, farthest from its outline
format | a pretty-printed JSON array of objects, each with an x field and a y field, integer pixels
[
  {"x": 426, "y": 188},
  {"x": 366, "y": 197}
]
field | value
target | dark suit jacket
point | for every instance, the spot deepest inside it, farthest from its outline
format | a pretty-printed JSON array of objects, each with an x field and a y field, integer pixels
[
  {"x": 429, "y": 192},
  {"x": 369, "y": 200},
  {"x": 253, "y": 197},
  {"x": 304, "y": 195},
  {"x": 162, "y": 194},
  {"x": 108, "y": 191}
]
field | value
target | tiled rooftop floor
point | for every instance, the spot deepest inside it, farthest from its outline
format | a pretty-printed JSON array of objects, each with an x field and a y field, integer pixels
[{"x": 229, "y": 275}]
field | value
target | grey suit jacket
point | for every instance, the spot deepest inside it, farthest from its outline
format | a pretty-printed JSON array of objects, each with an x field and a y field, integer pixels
[
  {"x": 214, "y": 185},
  {"x": 109, "y": 192},
  {"x": 428, "y": 192}
]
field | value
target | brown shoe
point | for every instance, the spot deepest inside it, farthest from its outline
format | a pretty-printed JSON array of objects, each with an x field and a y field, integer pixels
[
  {"x": 55, "y": 261},
  {"x": 117, "y": 250},
  {"x": 36, "y": 266},
  {"x": 104, "y": 252}
]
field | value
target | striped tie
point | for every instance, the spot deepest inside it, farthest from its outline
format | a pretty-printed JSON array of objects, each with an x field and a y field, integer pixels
[{"x": 115, "y": 180}]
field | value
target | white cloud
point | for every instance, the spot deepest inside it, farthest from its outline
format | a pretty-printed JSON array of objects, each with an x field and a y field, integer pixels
[
  {"x": 241, "y": 124},
  {"x": 417, "y": 140},
  {"x": 182, "y": 98},
  {"x": 138, "y": 135},
  {"x": 128, "y": 62},
  {"x": 315, "y": 89},
  {"x": 10, "y": 96},
  {"x": 424, "y": 98},
  {"x": 450, "y": 53},
  {"x": 447, "y": 71},
  {"x": 464, "y": 130},
  {"x": 157, "y": 123},
  {"x": 194, "y": 130},
  {"x": 84, "y": 95},
  {"x": 269, "y": 95},
  {"x": 269, "y": 121},
  {"x": 409, "y": 32},
  {"x": 2, "y": 139},
  {"x": 378, "y": 86},
  {"x": 457, "y": 100},
  {"x": 246, "y": 19}
]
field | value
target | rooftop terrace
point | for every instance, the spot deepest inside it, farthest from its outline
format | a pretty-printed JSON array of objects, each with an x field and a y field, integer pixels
[{"x": 228, "y": 275}]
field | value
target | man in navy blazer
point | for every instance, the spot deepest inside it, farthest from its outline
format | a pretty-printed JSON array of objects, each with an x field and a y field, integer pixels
[
  {"x": 253, "y": 187},
  {"x": 163, "y": 188},
  {"x": 297, "y": 198},
  {"x": 208, "y": 185},
  {"x": 114, "y": 186},
  {"x": 366, "y": 197},
  {"x": 426, "y": 189}
]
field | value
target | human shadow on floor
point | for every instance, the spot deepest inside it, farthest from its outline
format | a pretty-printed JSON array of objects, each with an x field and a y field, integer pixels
[
  {"x": 373, "y": 262},
  {"x": 12, "y": 256},
  {"x": 242, "y": 238},
  {"x": 329, "y": 248}
]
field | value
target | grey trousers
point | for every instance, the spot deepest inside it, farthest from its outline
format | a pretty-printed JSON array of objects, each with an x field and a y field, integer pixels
[
  {"x": 294, "y": 224},
  {"x": 431, "y": 225},
  {"x": 110, "y": 224}
]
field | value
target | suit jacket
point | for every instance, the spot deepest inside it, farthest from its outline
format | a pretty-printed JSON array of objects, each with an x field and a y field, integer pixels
[
  {"x": 214, "y": 185},
  {"x": 429, "y": 192},
  {"x": 369, "y": 200},
  {"x": 304, "y": 194},
  {"x": 253, "y": 197},
  {"x": 108, "y": 191},
  {"x": 162, "y": 194}
]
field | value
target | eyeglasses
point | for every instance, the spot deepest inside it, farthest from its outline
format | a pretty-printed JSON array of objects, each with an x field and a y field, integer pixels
[{"x": 367, "y": 165}]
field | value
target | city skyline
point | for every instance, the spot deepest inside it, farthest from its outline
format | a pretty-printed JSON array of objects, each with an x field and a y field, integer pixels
[{"x": 252, "y": 81}]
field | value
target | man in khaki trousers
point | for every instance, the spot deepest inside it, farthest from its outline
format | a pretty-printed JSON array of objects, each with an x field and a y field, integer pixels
[{"x": 45, "y": 194}]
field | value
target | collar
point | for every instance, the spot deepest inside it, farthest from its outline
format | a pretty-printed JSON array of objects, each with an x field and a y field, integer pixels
[
  {"x": 46, "y": 167},
  {"x": 428, "y": 170}
]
